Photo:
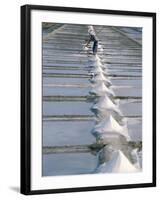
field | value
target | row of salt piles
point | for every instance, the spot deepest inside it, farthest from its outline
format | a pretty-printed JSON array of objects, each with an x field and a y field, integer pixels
[{"x": 108, "y": 130}]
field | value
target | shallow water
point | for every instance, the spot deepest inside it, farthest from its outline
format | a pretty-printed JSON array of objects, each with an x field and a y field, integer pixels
[
  {"x": 65, "y": 81},
  {"x": 127, "y": 92},
  {"x": 64, "y": 71},
  {"x": 135, "y": 129},
  {"x": 131, "y": 108},
  {"x": 70, "y": 163},
  {"x": 69, "y": 108},
  {"x": 59, "y": 133},
  {"x": 136, "y": 82},
  {"x": 60, "y": 91}
]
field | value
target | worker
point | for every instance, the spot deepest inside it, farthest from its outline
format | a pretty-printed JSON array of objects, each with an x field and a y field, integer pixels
[{"x": 92, "y": 38}]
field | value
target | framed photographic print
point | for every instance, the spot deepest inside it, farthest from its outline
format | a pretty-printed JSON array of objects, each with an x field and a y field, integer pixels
[{"x": 88, "y": 99}]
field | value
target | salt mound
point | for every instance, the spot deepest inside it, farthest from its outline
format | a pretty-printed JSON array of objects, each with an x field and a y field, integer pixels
[
  {"x": 105, "y": 71},
  {"x": 97, "y": 70},
  {"x": 110, "y": 128},
  {"x": 97, "y": 57},
  {"x": 100, "y": 78},
  {"x": 100, "y": 49},
  {"x": 106, "y": 103},
  {"x": 101, "y": 89},
  {"x": 94, "y": 58},
  {"x": 97, "y": 61},
  {"x": 100, "y": 67},
  {"x": 100, "y": 46},
  {"x": 118, "y": 164}
]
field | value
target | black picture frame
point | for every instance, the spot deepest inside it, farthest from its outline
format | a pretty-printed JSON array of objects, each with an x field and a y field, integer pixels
[{"x": 26, "y": 98}]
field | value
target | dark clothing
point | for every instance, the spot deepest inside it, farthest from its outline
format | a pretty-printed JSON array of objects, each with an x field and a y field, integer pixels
[
  {"x": 94, "y": 39},
  {"x": 95, "y": 47}
]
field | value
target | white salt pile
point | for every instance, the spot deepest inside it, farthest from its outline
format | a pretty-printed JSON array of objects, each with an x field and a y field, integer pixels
[
  {"x": 100, "y": 89},
  {"x": 99, "y": 77},
  {"x": 96, "y": 61},
  {"x": 119, "y": 163},
  {"x": 97, "y": 70},
  {"x": 105, "y": 103},
  {"x": 100, "y": 48},
  {"x": 110, "y": 129},
  {"x": 97, "y": 58},
  {"x": 91, "y": 58}
]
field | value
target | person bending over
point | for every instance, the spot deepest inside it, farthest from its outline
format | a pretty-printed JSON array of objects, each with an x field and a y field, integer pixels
[{"x": 93, "y": 39}]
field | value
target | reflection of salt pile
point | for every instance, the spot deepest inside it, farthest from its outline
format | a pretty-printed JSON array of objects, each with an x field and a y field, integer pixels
[
  {"x": 110, "y": 129},
  {"x": 119, "y": 163},
  {"x": 100, "y": 89},
  {"x": 105, "y": 103}
]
